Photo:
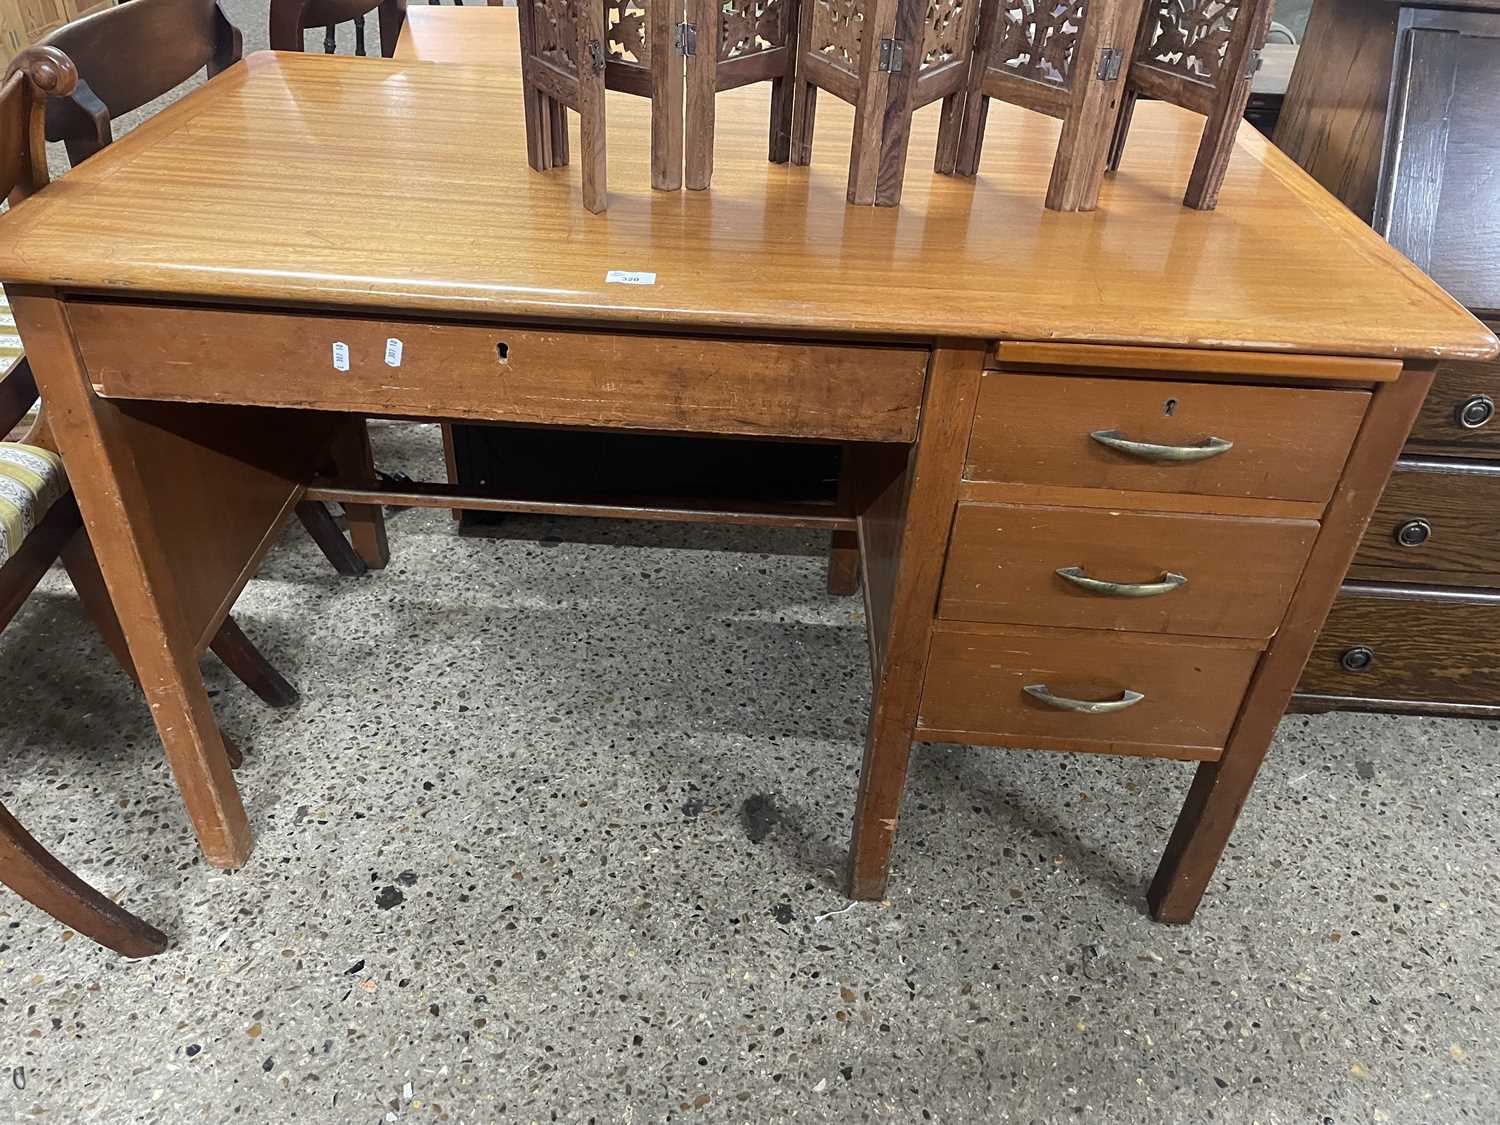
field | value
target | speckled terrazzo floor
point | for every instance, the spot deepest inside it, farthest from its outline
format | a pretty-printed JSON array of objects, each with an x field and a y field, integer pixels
[{"x": 503, "y": 875}]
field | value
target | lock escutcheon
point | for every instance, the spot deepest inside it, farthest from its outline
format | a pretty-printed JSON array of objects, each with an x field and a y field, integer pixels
[
  {"x": 1357, "y": 659},
  {"x": 1413, "y": 533}
]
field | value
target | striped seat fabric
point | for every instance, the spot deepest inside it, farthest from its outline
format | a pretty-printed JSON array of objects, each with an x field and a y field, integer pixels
[
  {"x": 10, "y": 339},
  {"x": 31, "y": 481}
]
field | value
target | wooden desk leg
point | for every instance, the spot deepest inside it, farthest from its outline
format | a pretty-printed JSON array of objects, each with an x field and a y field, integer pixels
[
  {"x": 843, "y": 549},
  {"x": 903, "y": 529},
  {"x": 1220, "y": 788},
  {"x": 97, "y": 449},
  {"x": 353, "y": 460}
]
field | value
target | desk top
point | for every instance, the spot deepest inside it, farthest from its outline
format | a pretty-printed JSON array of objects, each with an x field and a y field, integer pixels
[
  {"x": 403, "y": 185},
  {"x": 479, "y": 35}
]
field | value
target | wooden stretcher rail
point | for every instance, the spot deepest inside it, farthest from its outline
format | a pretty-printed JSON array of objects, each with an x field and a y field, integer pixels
[{"x": 418, "y": 494}]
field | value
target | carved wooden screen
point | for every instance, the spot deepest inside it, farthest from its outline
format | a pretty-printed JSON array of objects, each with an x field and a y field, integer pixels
[
  {"x": 1063, "y": 58},
  {"x": 553, "y": 38},
  {"x": 571, "y": 50},
  {"x": 1201, "y": 55},
  {"x": 929, "y": 62},
  {"x": 733, "y": 43}
]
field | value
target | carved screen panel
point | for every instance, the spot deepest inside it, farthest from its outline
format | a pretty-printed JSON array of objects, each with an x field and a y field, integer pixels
[
  {"x": 627, "y": 32},
  {"x": 947, "y": 31},
  {"x": 1038, "y": 38},
  {"x": 748, "y": 27},
  {"x": 1190, "y": 37},
  {"x": 555, "y": 32},
  {"x": 837, "y": 28}
]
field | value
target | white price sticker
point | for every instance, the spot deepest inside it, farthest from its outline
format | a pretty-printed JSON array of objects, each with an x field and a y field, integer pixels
[
  {"x": 340, "y": 356},
  {"x": 393, "y": 352},
  {"x": 629, "y": 277}
]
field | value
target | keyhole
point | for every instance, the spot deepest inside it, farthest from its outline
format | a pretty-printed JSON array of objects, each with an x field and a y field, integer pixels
[
  {"x": 502, "y": 352},
  {"x": 1171, "y": 407}
]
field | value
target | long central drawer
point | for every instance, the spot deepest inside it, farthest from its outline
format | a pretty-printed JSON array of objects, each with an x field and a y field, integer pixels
[
  {"x": 845, "y": 392},
  {"x": 1145, "y": 571}
]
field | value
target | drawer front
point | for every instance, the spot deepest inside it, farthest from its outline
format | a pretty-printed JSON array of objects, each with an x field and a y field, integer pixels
[
  {"x": 1288, "y": 443},
  {"x": 1460, "y": 412},
  {"x": 1191, "y": 688},
  {"x": 1438, "y": 521},
  {"x": 497, "y": 373},
  {"x": 1419, "y": 646},
  {"x": 1240, "y": 573}
]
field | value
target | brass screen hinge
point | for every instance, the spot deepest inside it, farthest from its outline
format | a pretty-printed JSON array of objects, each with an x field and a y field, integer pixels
[
  {"x": 1253, "y": 61},
  {"x": 1110, "y": 59},
  {"x": 687, "y": 39},
  {"x": 596, "y": 55},
  {"x": 892, "y": 56}
]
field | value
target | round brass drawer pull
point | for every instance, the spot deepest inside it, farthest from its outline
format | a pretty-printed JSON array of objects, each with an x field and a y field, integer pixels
[
  {"x": 1475, "y": 412},
  {"x": 1413, "y": 533},
  {"x": 1165, "y": 585},
  {"x": 1083, "y": 706},
  {"x": 1150, "y": 451}
]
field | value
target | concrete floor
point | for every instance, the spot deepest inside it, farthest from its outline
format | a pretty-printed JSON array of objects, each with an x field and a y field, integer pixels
[{"x": 503, "y": 874}]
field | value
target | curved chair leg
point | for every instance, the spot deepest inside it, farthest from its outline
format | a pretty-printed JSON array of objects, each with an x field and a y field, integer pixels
[
  {"x": 326, "y": 533},
  {"x": 36, "y": 875},
  {"x": 247, "y": 662},
  {"x": 232, "y": 751}
]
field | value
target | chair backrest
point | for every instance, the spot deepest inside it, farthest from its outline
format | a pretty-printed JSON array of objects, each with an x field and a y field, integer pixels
[
  {"x": 128, "y": 55},
  {"x": 33, "y": 76}
]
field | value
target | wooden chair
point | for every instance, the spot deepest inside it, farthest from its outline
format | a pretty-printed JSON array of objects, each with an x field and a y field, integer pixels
[
  {"x": 39, "y": 521},
  {"x": 132, "y": 54},
  {"x": 290, "y": 18}
]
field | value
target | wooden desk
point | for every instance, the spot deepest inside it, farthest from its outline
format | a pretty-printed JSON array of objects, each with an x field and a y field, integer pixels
[{"x": 184, "y": 295}]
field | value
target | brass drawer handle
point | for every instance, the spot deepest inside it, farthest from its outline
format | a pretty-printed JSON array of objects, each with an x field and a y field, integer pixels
[
  {"x": 1149, "y": 451},
  {"x": 1083, "y": 706},
  {"x": 1165, "y": 585}
]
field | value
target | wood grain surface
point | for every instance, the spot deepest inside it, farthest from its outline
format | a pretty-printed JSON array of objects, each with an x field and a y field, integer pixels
[
  {"x": 316, "y": 175},
  {"x": 501, "y": 373},
  {"x": 1437, "y": 428},
  {"x": 1003, "y": 562},
  {"x": 1192, "y": 687},
  {"x": 1426, "y": 645},
  {"x": 1459, "y": 500},
  {"x": 1289, "y": 443}
]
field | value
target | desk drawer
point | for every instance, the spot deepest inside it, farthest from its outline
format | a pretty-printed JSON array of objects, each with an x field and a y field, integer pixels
[
  {"x": 1240, "y": 573},
  {"x": 1289, "y": 443},
  {"x": 1438, "y": 521},
  {"x": 1191, "y": 688},
  {"x": 500, "y": 373}
]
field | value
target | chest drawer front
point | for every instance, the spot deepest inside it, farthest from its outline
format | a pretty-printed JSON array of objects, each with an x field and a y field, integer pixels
[
  {"x": 1460, "y": 411},
  {"x": 1187, "y": 574},
  {"x": 1287, "y": 443},
  {"x": 1416, "y": 646},
  {"x": 1438, "y": 520},
  {"x": 500, "y": 373},
  {"x": 1191, "y": 690}
]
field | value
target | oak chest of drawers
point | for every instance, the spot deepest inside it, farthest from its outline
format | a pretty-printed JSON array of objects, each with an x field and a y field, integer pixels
[{"x": 1407, "y": 140}]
